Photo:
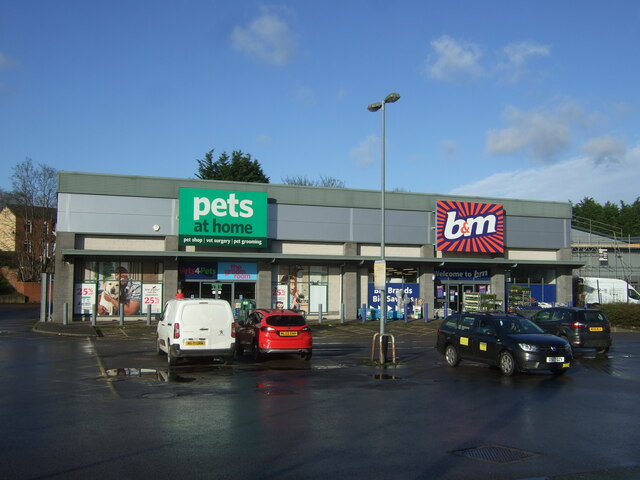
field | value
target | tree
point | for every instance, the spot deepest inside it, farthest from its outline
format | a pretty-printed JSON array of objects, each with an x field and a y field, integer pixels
[
  {"x": 33, "y": 206},
  {"x": 303, "y": 181},
  {"x": 608, "y": 218},
  {"x": 241, "y": 168}
]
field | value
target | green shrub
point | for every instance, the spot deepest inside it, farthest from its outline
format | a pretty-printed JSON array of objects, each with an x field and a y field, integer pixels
[
  {"x": 5, "y": 287},
  {"x": 625, "y": 315}
]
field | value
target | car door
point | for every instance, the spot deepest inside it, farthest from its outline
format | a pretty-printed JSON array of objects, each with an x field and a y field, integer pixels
[
  {"x": 548, "y": 319},
  {"x": 485, "y": 342},
  {"x": 466, "y": 326}
]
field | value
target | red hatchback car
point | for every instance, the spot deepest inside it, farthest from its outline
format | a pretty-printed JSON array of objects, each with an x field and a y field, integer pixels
[{"x": 274, "y": 331}]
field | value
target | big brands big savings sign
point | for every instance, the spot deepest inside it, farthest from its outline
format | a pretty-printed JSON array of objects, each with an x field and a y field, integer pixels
[
  {"x": 222, "y": 218},
  {"x": 470, "y": 227}
]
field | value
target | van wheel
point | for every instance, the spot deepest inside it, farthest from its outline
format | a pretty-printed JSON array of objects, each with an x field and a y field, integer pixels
[
  {"x": 239, "y": 350},
  {"x": 507, "y": 364},
  {"x": 171, "y": 358},
  {"x": 306, "y": 356},
  {"x": 158, "y": 349},
  {"x": 451, "y": 356},
  {"x": 255, "y": 352},
  {"x": 602, "y": 351}
]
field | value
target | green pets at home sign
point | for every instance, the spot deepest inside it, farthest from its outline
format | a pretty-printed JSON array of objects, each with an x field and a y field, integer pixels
[{"x": 222, "y": 218}]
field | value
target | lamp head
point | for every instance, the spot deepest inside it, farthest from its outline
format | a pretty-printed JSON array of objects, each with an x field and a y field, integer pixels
[
  {"x": 374, "y": 107},
  {"x": 392, "y": 98}
]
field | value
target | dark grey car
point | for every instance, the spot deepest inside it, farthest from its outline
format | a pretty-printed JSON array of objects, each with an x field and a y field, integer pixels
[
  {"x": 509, "y": 342},
  {"x": 581, "y": 327}
]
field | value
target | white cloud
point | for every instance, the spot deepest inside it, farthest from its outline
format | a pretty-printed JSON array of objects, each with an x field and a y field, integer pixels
[
  {"x": 367, "y": 152},
  {"x": 453, "y": 59},
  {"x": 605, "y": 149},
  {"x": 267, "y": 38},
  {"x": 517, "y": 57},
  {"x": 569, "y": 180},
  {"x": 518, "y": 53},
  {"x": 541, "y": 134}
]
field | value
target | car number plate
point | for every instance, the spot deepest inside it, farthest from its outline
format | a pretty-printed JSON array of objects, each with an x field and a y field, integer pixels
[
  {"x": 595, "y": 329},
  {"x": 194, "y": 343},
  {"x": 288, "y": 333},
  {"x": 555, "y": 359}
]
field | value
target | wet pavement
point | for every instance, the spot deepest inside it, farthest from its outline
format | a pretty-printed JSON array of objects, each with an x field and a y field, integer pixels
[{"x": 101, "y": 403}]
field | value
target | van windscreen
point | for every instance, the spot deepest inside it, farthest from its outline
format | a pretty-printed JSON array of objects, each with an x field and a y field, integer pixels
[{"x": 285, "y": 321}]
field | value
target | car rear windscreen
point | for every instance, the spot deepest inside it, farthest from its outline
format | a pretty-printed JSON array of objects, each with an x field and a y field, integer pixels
[
  {"x": 594, "y": 317},
  {"x": 285, "y": 321}
]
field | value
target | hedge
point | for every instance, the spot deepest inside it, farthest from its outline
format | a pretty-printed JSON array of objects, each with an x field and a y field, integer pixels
[{"x": 625, "y": 315}]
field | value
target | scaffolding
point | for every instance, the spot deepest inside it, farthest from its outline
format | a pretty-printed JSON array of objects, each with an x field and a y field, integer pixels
[{"x": 594, "y": 243}]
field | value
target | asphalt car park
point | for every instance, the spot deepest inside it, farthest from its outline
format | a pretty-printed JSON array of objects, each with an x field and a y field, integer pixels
[{"x": 101, "y": 406}]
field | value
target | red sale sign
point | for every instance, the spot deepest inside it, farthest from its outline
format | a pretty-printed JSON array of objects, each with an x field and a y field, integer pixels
[{"x": 469, "y": 227}]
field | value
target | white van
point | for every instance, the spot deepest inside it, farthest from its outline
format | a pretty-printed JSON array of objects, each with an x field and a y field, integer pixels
[
  {"x": 200, "y": 327},
  {"x": 598, "y": 291}
]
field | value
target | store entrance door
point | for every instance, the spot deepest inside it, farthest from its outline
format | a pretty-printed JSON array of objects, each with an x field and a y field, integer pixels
[
  {"x": 455, "y": 294},
  {"x": 232, "y": 292}
]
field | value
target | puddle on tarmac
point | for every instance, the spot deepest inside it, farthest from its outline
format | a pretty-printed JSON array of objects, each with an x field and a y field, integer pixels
[
  {"x": 162, "y": 375},
  {"x": 385, "y": 376}
]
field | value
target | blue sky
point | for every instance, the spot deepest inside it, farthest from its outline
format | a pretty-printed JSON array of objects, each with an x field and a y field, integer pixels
[{"x": 510, "y": 99}]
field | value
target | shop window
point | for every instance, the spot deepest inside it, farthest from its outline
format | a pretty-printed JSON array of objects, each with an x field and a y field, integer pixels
[
  {"x": 135, "y": 286},
  {"x": 152, "y": 272},
  {"x": 301, "y": 287}
]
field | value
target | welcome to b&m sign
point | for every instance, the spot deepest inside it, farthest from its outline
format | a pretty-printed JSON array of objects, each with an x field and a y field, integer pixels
[{"x": 469, "y": 227}]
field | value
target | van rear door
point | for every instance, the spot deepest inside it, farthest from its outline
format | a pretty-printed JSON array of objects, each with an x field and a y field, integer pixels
[{"x": 206, "y": 326}]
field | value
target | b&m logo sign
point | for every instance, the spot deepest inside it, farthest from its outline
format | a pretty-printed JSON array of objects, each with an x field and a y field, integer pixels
[
  {"x": 222, "y": 218},
  {"x": 470, "y": 227}
]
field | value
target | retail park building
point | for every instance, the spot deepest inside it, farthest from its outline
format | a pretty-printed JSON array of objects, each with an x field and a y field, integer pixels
[{"x": 310, "y": 248}]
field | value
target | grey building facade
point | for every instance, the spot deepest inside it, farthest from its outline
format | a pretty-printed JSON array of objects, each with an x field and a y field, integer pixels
[{"x": 311, "y": 248}]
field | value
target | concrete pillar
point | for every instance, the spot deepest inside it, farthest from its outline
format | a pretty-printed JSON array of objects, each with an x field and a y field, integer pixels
[
  {"x": 63, "y": 281},
  {"x": 427, "y": 288},
  {"x": 350, "y": 291},
  {"x": 170, "y": 267},
  {"x": 263, "y": 285},
  {"x": 498, "y": 287},
  {"x": 564, "y": 285}
]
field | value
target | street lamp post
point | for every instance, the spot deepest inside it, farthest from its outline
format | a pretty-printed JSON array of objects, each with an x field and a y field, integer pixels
[{"x": 374, "y": 107}]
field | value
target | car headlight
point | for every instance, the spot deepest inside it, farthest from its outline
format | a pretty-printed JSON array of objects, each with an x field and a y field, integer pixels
[{"x": 527, "y": 347}]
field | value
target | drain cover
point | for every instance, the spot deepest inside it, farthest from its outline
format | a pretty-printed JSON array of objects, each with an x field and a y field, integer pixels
[
  {"x": 495, "y": 454},
  {"x": 159, "y": 396}
]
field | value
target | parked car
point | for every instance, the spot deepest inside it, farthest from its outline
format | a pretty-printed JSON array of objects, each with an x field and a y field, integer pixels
[
  {"x": 268, "y": 331},
  {"x": 510, "y": 342},
  {"x": 581, "y": 327},
  {"x": 201, "y": 327}
]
